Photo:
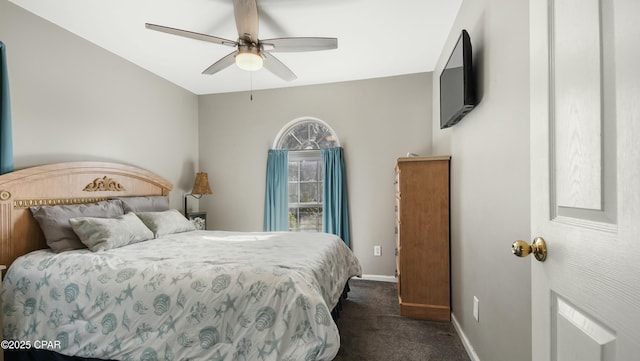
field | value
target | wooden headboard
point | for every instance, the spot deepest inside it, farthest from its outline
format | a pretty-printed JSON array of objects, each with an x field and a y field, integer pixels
[{"x": 62, "y": 183}]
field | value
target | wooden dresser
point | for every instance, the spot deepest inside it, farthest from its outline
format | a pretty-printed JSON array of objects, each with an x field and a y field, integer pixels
[{"x": 422, "y": 237}]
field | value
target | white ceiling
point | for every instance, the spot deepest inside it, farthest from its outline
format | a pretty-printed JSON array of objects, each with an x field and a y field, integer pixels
[{"x": 376, "y": 38}]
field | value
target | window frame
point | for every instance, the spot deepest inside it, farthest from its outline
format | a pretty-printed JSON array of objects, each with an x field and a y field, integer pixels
[{"x": 303, "y": 155}]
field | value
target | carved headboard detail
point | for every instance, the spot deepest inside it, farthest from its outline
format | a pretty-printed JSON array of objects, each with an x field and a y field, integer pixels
[
  {"x": 62, "y": 183},
  {"x": 104, "y": 184},
  {"x": 26, "y": 203}
]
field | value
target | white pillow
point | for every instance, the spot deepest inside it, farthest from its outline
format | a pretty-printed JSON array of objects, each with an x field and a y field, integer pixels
[
  {"x": 101, "y": 234},
  {"x": 167, "y": 222}
]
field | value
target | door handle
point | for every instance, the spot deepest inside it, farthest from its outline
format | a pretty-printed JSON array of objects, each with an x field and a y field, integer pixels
[{"x": 538, "y": 247}]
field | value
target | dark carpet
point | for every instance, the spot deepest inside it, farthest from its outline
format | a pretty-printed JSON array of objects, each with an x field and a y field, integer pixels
[{"x": 372, "y": 329}]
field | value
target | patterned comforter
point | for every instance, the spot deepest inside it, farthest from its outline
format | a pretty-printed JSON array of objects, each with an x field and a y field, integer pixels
[{"x": 202, "y": 295}]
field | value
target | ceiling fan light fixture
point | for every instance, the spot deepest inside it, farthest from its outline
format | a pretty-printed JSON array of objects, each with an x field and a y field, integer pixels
[
  {"x": 249, "y": 59},
  {"x": 251, "y": 52}
]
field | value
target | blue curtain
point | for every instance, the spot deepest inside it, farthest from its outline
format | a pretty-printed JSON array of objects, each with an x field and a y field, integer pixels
[
  {"x": 276, "y": 198},
  {"x": 336, "y": 210},
  {"x": 6, "y": 142}
]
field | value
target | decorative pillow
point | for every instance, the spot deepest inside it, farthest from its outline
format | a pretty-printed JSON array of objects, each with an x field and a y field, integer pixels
[
  {"x": 101, "y": 234},
  {"x": 167, "y": 222},
  {"x": 144, "y": 204},
  {"x": 54, "y": 221}
]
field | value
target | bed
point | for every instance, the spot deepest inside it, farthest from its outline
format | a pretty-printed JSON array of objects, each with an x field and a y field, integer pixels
[{"x": 174, "y": 294}]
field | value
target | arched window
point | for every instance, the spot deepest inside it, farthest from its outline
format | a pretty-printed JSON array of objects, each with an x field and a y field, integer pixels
[
  {"x": 303, "y": 138},
  {"x": 306, "y": 134}
]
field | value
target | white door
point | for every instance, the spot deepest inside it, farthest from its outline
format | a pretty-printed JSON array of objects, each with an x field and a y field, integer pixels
[{"x": 585, "y": 155}]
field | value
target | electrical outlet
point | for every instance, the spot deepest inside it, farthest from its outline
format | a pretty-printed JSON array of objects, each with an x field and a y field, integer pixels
[
  {"x": 377, "y": 251},
  {"x": 476, "y": 308}
]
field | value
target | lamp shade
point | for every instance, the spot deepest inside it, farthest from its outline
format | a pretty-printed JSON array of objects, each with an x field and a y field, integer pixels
[{"x": 201, "y": 185}]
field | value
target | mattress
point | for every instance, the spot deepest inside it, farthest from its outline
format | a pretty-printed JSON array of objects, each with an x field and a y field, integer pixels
[{"x": 201, "y": 295}]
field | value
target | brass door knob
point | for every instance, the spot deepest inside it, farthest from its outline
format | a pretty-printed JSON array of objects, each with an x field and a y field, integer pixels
[{"x": 538, "y": 248}]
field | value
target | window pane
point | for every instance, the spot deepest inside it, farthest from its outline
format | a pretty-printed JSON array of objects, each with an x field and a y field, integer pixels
[
  {"x": 293, "y": 171},
  {"x": 293, "y": 193},
  {"x": 320, "y": 192},
  {"x": 307, "y": 134},
  {"x": 310, "y": 219},
  {"x": 293, "y": 219},
  {"x": 309, "y": 170},
  {"x": 302, "y": 133},
  {"x": 290, "y": 142},
  {"x": 316, "y": 131},
  {"x": 309, "y": 192}
]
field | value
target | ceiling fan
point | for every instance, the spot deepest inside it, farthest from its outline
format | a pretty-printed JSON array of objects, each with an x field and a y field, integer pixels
[{"x": 252, "y": 53}]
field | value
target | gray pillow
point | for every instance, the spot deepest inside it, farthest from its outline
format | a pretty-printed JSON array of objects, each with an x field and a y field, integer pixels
[
  {"x": 167, "y": 222},
  {"x": 144, "y": 204},
  {"x": 54, "y": 221},
  {"x": 101, "y": 234}
]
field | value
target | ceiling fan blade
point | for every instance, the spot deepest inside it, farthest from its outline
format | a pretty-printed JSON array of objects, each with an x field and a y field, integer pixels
[
  {"x": 221, "y": 64},
  {"x": 275, "y": 66},
  {"x": 246, "y": 13},
  {"x": 191, "y": 34},
  {"x": 285, "y": 45}
]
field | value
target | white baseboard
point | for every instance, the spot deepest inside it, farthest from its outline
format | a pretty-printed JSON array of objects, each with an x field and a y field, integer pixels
[
  {"x": 379, "y": 278},
  {"x": 465, "y": 341}
]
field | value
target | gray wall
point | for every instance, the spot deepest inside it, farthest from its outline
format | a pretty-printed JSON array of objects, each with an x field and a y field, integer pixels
[
  {"x": 490, "y": 181},
  {"x": 376, "y": 120},
  {"x": 72, "y": 100}
]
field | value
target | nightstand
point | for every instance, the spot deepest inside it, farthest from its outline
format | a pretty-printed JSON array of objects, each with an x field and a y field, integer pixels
[{"x": 199, "y": 219}]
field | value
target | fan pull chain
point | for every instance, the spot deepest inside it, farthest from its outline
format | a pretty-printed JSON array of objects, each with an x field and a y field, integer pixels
[{"x": 251, "y": 86}]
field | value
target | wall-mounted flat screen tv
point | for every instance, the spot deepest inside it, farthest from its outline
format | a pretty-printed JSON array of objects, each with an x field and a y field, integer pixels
[{"x": 457, "y": 88}]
